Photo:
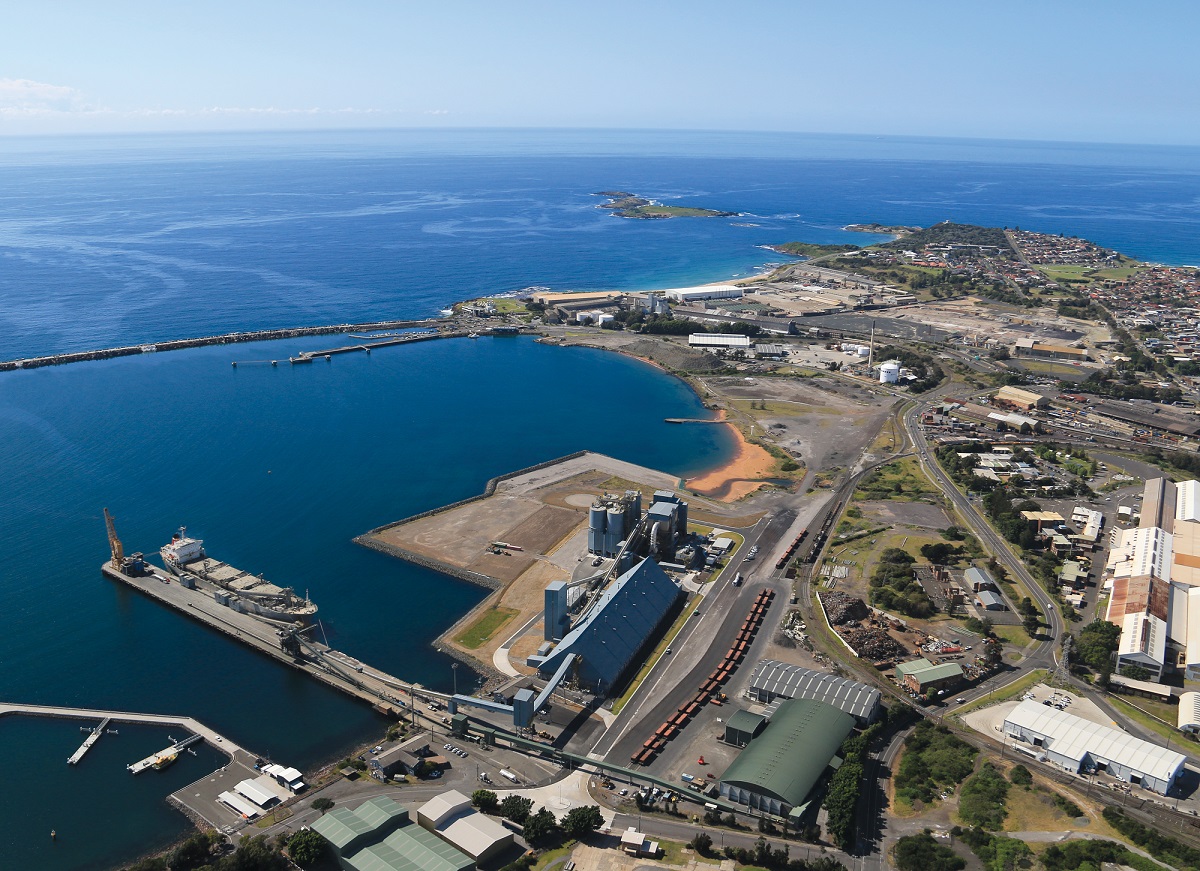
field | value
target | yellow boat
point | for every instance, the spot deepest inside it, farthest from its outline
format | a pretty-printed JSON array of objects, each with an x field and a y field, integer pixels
[{"x": 163, "y": 761}]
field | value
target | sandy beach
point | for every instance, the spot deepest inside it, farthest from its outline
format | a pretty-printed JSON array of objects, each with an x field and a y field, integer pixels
[{"x": 741, "y": 476}]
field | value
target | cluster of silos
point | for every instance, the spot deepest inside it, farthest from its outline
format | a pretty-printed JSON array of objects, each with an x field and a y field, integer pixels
[
  {"x": 889, "y": 372},
  {"x": 610, "y": 520}
]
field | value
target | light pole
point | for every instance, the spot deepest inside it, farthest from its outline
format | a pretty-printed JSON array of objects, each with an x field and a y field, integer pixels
[{"x": 454, "y": 672}]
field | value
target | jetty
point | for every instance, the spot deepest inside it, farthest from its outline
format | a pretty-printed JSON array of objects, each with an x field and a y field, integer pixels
[
  {"x": 331, "y": 667},
  {"x": 309, "y": 356},
  {"x": 160, "y": 758},
  {"x": 89, "y": 741}
]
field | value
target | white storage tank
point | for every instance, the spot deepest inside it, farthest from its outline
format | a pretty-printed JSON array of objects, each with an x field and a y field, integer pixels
[
  {"x": 889, "y": 372},
  {"x": 864, "y": 350}
]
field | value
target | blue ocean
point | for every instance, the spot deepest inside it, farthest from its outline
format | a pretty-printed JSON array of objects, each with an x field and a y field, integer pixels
[{"x": 111, "y": 241}]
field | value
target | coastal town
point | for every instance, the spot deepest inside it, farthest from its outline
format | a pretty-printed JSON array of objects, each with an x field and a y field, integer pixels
[{"x": 959, "y": 510}]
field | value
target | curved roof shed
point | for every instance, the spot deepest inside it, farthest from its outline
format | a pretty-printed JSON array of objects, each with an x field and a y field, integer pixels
[{"x": 788, "y": 758}]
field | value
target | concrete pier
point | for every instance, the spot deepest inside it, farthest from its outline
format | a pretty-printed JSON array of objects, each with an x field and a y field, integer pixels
[
  {"x": 309, "y": 356},
  {"x": 386, "y": 693},
  {"x": 89, "y": 741},
  {"x": 153, "y": 759}
]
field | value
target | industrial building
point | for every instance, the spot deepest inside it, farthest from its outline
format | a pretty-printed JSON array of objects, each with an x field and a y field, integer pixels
[
  {"x": 713, "y": 291},
  {"x": 610, "y": 521},
  {"x": 742, "y": 727},
  {"x": 614, "y": 626},
  {"x": 1046, "y": 351},
  {"x": 451, "y": 817},
  {"x": 289, "y": 777},
  {"x": 889, "y": 372},
  {"x": 666, "y": 523},
  {"x": 773, "y": 680},
  {"x": 1081, "y": 746},
  {"x": 779, "y": 769},
  {"x": 921, "y": 675},
  {"x": 1025, "y": 400},
  {"x": 378, "y": 836},
  {"x": 403, "y": 758},
  {"x": 1189, "y": 712},
  {"x": 731, "y": 341},
  {"x": 990, "y": 601}
]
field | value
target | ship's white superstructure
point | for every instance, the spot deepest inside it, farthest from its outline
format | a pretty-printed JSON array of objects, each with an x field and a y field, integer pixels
[{"x": 186, "y": 558}]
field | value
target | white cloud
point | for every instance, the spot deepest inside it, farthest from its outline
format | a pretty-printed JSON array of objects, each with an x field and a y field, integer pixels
[
  {"x": 27, "y": 97},
  {"x": 437, "y": 111}
]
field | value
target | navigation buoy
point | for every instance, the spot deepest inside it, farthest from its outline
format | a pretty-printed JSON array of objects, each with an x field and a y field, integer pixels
[
  {"x": 274, "y": 362},
  {"x": 53, "y": 835}
]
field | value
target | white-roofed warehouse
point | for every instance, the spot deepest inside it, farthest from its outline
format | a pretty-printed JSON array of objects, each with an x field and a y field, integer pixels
[
  {"x": 1078, "y": 745},
  {"x": 772, "y": 680}
]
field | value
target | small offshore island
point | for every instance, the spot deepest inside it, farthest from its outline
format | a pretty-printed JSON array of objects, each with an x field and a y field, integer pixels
[
  {"x": 627, "y": 205},
  {"x": 826, "y": 588}
]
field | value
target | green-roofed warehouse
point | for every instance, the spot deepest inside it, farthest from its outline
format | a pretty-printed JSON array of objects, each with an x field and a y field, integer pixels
[
  {"x": 780, "y": 767},
  {"x": 378, "y": 836}
]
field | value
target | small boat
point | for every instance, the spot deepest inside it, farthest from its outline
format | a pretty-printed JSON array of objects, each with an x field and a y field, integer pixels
[
  {"x": 472, "y": 335},
  {"x": 165, "y": 760}
]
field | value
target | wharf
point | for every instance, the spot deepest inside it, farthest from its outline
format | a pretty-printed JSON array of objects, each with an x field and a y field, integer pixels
[
  {"x": 89, "y": 741},
  {"x": 409, "y": 338},
  {"x": 153, "y": 759},
  {"x": 198, "y": 800},
  {"x": 331, "y": 667}
]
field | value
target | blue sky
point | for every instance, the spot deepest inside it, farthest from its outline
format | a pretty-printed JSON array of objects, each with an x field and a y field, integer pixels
[{"x": 1082, "y": 71}]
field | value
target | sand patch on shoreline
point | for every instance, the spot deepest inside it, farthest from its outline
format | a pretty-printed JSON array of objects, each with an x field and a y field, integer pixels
[{"x": 738, "y": 478}]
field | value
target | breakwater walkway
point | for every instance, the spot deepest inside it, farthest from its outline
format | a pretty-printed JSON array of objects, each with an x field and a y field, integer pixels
[
  {"x": 195, "y": 726},
  {"x": 225, "y": 339}
]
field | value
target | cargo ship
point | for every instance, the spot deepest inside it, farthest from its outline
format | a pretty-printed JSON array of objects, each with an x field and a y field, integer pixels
[{"x": 185, "y": 557}]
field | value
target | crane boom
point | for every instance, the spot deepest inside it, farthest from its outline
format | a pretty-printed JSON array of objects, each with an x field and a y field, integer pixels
[{"x": 118, "y": 550}]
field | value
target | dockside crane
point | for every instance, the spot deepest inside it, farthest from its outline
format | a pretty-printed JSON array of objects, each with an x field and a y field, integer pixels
[{"x": 118, "y": 550}]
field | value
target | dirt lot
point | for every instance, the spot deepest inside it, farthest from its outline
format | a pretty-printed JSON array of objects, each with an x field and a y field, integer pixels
[
  {"x": 824, "y": 421},
  {"x": 907, "y": 513}
]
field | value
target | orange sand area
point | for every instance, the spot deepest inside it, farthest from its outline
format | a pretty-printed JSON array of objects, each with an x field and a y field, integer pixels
[{"x": 740, "y": 477}]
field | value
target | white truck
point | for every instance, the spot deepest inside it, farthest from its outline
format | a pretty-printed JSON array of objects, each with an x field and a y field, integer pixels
[{"x": 505, "y": 773}]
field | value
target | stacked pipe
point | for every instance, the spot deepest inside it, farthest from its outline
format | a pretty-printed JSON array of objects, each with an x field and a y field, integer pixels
[{"x": 710, "y": 689}]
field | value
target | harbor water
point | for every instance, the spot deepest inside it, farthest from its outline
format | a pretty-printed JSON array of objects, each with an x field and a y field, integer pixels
[{"x": 125, "y": 240}]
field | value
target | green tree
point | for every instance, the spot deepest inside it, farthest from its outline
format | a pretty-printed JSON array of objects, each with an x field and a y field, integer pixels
[
  {"x": 1031, "y": 623},
  {"x": 1020, "y": 775},
  {"x": 516, "y": 808},
  {"x": 702, "y": 844},
  {"x": 1096, "y": 644},
  {"x": 306, "y": 847},
  {"x": 322, "y": 803},
  {"x": 192, "y": 853},
  {"x": 579, "y": 821},
  {"x": 981, "y": 800},
  {"x": 923, "y": 853},
  {"x": 485, "y": 800},
  {"x": 541, "y": 827}
]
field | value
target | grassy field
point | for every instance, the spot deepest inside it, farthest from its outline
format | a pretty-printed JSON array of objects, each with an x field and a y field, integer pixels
[
  {"x": 1075, "y": 274},
  {"x": 667, "y": 212},
  {"x": 1051, "y": 368},
  {"x": 1012, "y": 691},
  {"x": 898, "y": 480},
  {"x": 1178, "y": 742},
  {"x": 548, "y": 858},
  {"x": 488, "y": 624}
]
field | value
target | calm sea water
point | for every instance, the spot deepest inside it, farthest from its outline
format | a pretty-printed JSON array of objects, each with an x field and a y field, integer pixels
[
  {"x": 121, "y": 240},
  {"x": 126, "y": 239}
]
